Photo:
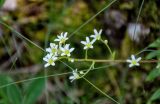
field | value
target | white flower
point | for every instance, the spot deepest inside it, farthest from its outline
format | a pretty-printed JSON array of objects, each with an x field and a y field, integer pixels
[
  {"x": 74, "y": 76},
  {"x": 53, "y": 49},
  {"x": 62, "y": 38},
  {"x": 97, "y": 35},
  {"x": 50, "y": 59},
  {"x": 133, "y": 61},
  {"x": 88, "y": 44},
  {"x": 66, "y": 51}
]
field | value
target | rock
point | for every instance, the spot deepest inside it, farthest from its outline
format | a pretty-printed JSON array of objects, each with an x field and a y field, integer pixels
[
  {"x": 10, "y": 5},
  {"x": 115, "y": 19},
  {"x": 136, "y": 31}
]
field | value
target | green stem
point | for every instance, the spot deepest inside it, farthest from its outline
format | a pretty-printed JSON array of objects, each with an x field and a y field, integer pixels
[
  {"x": 108, "y": 61},
  {"x": 86, "y": 54},
  {"x": 101, "y": 91},
  {"x": 88, "y": 69},
  {"x": 109, "y": 49}
]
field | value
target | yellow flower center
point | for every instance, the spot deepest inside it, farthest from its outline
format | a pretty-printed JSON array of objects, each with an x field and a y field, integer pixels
[
  {"x": 98, "y": 37},
  {"x": 66, "y": 52},
  {"x": 50, "y": 61},
  {"x": 63, "y": 40},
  {"x": 88, "y": 45},
  {"x": 134, "y": 62},
  {"x": 54, "y": 50}
]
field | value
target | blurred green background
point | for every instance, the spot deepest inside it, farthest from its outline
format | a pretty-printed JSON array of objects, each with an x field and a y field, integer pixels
[{"x": 42, "y": 20}]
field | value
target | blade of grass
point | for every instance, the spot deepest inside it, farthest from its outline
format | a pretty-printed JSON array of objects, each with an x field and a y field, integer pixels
[
  {"x": 92, "y": 18},
  {"x": 101, "y": 91},
  {"x": 20, "y": 35},
  {"x": 138, "y": 18},
  {"x": 53, "y": 75}
]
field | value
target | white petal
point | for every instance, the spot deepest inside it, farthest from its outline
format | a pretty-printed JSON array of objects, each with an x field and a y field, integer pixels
[
  {"x": 54, "y": 58},
  {"x": 76, "y": 70},
  {"x": 57, "y": 40},
  {"x": 131, "y": 65},
  {"x": 91, "y": 47},
  {"x": 62, "y": 54},
  {"x": 71, "y": 77},
  {"x": 87, "y": 40},
  {"x": 83, "y": 42},
  {"x": 95, "y": 31},
  {"x": 50, "y": 55},
  {"x": 61, "y": 34},
  {"x": 52, "y": 45},
  {"x": 129, "y": 61},
  {"x": 93, "y": 41},
  {"x": 46, "y": 65},
  {"x": 48, "y": 50},
  {"x": 68, "y": 54},
  {"x": 71, "y": 49},
  {"x": 45, "y": 59},
  {"x": 67, "y": 46},
  {"x": 133, "y": 57},
  {"x": 53, "y": 64},
  {"x": 65, "y": 34},
  {"x": 100, "y": 31},
  {"x": 59, "y": 37},
  {"x": 93, "y": 36},
  {"x": 85, "y": 47},
  {"x": 138, "y": 59},
  {"x": 137, "y": 64}
]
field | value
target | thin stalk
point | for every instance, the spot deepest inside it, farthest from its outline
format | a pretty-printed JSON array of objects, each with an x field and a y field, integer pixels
[
  {"x": 20, "y": 35},
  {"x": 109, "y": 49},
  {"x": 86, "y": 54},
  {"x": 107, "y": 6},
  {"x": 101, "y": 91},
  {"x": 109, "y": 61},
  {"x": 88, "y": 70}
]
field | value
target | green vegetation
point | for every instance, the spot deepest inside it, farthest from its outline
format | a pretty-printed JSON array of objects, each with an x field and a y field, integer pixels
[{"x": 26, "y": 31}]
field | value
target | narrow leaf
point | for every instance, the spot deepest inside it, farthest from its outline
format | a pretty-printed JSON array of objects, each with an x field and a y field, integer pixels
[
  {"x": 153, "y": 74},
  {"x": 155, "y": 44},
  {"x": 33, "y": 91},
  {"x": 153, "y": 54},
  {"x": 156, "y": 95},
  {"x": 14, "y": 94}
]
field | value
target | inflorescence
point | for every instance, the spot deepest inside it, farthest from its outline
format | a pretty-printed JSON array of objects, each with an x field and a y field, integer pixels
[{"x": 60, "y": 50}]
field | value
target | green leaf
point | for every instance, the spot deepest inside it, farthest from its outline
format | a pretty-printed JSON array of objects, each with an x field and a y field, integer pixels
[
  {"x": 14, "y": 94},
  {"x": 155, "y": 96},
  {"x": 153, "y": 54},
  {"x": 1, "y": 3},
  {"x": 153, "y": 74},
  {"x": 11, "y": 93},
  {"x": 33, "y": 91},
  {"x": 155, "y": 44},
  {"x": 4, "y": 80}
]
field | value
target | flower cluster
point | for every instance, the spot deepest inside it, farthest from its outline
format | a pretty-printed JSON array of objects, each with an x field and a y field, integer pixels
[
  {"x": 89, "y": 44},
  {"x": 56, "y": 50}
]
